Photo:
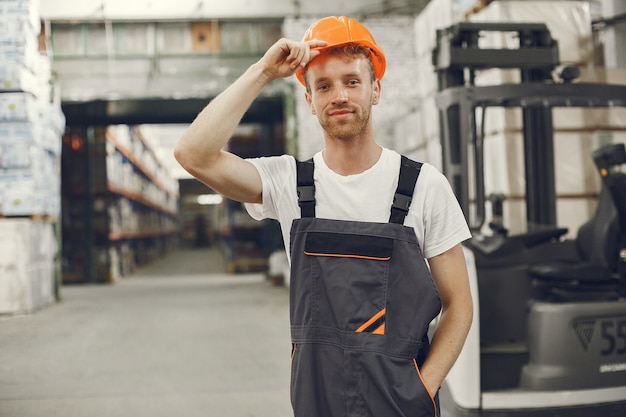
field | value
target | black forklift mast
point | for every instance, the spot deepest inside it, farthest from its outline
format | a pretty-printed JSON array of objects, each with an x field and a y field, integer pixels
[{"x": 456, "y": 58}]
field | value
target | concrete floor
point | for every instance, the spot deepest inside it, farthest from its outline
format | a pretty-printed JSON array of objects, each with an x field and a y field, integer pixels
[{"x": 177, "y": 338}]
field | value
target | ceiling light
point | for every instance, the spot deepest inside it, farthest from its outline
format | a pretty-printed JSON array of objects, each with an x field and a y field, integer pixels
[{"x": 209, "y": 199}]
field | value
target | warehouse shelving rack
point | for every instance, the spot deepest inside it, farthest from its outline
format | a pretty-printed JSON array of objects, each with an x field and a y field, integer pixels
[
  {"x": 247, "y": 243},
  {"x": 120, "y": 209}
]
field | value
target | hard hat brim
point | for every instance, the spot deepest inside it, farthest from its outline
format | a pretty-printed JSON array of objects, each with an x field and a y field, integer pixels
[{"x": 378, "y": 58}]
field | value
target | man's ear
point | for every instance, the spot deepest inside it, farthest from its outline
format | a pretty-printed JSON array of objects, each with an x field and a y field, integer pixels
[
  {"x": 307, "y": 97},
  {"x": 376, "y": 92}
]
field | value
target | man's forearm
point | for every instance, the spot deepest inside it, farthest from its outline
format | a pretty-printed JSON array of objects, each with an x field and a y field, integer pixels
[
  {"x": 216, "y": 123},
  {"x": 199, "y": 147},
  {"x": 446, "y": 345}
]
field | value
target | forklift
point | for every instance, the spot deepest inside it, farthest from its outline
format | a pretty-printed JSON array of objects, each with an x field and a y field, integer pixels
[{"x": 549, "y": 332}]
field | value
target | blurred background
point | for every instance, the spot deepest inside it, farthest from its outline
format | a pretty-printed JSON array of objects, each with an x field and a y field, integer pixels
[{"x": 94, "y": 95}]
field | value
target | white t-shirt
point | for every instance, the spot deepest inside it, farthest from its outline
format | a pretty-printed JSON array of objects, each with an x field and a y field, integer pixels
[{"x": 434, "y": 214}]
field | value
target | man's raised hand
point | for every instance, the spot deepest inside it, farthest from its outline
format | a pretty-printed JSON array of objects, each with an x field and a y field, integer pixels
[{"x": 285, "y": 57}]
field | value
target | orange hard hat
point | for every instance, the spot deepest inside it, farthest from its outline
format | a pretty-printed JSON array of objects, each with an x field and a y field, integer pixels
[{"x": 341, "y": 30}]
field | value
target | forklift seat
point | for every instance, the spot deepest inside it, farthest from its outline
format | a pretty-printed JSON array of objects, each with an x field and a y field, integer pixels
[{"x": 601, "y": 242}]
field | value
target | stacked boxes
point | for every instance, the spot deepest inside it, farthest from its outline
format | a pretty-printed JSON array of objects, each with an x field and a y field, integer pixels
[{"x": 31, "y": 125}]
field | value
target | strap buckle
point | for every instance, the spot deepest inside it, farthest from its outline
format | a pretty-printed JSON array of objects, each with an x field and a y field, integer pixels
[
  {"x": 401, "y": 202},
  {"x": 306, "y": 193}
]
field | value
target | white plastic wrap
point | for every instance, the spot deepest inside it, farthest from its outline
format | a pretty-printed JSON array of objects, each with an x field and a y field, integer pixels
[
  {"x": 504, "y": 164},
  {"x": 15, "y": 77},
  {"x": 613, "y": 118},
  {"x": 569, "y": 22},
  {"x": 438, "y": 14},
  {"x": 27, "y": 251},
  {"x": 575, "y": 173},
  {"x": 18, "y": 107}
]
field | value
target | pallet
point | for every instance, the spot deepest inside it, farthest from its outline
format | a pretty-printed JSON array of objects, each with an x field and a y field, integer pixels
[
  {"x": 38, "y": 217},
  {"x": 247, "y": 265}
]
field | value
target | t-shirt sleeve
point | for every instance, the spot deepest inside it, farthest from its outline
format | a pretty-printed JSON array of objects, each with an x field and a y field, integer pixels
[
  {"x": 444, "y": 223},
  {"x": 277, "y": 174}
]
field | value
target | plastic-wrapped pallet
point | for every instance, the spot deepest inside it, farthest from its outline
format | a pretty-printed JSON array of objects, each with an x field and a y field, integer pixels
[
  {"x": 27, "y": 251},
  {"x": 29, "y": 177},
  {"x": 569, "y": 22},
  {"x": 31, "y": 125},
  {"x": 19, "y": 28},
  {"x": 31, "y": 120},
  {"x": 438, "y": 14},
  {"x": 575, "y": 174},
  {"x": 613, "y": 118}
]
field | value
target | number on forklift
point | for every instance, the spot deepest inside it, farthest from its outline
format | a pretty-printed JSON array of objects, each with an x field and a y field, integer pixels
[{"x": 613, "y": 336}]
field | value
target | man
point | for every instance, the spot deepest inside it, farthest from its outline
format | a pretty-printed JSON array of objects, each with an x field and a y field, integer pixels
[{"x": 362, "y": 295}]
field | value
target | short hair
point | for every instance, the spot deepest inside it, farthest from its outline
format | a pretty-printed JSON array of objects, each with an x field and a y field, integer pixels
[{"x": 353, "y": 50}]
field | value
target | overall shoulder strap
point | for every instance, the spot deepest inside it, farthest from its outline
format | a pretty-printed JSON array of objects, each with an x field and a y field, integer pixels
[
  {"x": 409, "y": 171},
  {"x": 306, "y": 187}
]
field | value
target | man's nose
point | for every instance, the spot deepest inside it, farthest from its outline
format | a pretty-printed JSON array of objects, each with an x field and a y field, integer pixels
[{"x": 341, "y": 95}]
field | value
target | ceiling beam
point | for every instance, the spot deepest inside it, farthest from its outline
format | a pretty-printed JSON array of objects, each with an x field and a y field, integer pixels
[{"x": 267, "y": 110}]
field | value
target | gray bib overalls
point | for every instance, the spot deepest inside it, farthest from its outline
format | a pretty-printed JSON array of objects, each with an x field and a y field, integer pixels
[{"x": 361, "y": 300}]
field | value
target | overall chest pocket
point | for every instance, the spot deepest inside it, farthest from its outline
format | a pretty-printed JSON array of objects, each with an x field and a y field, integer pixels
[{"x": 349, "y": 276}]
